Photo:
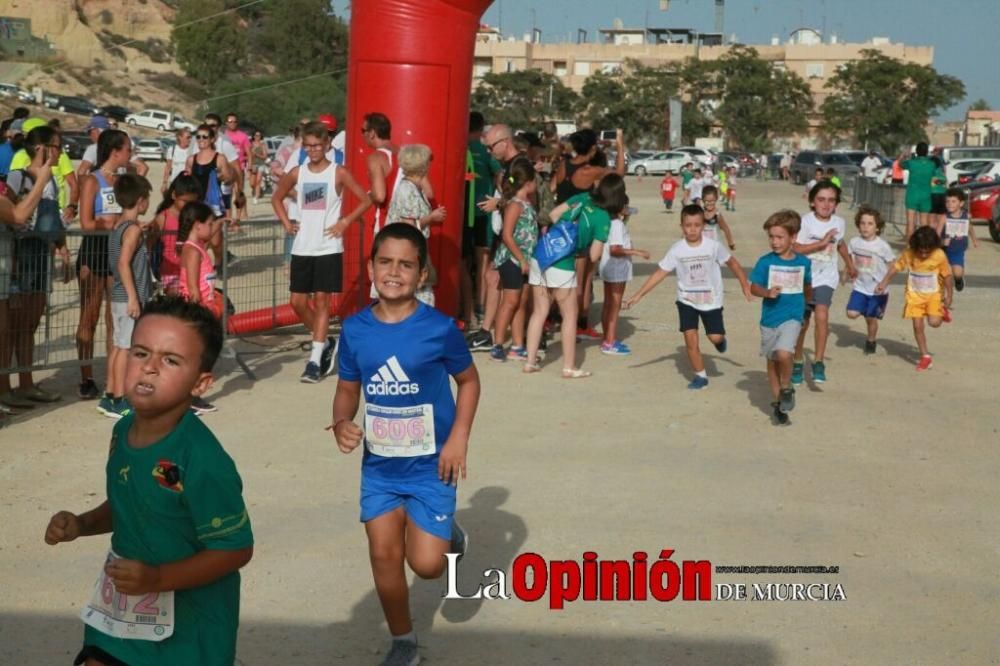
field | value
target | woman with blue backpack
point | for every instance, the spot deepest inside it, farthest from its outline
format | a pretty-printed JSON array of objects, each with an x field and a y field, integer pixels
[{"x": 211, "y": 168}]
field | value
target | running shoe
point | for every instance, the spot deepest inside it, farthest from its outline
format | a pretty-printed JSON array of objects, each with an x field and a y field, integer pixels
[
  {"x": 88, "y": 390},
  {"x": 517, "y": 353},
  {"x": 779, "y": 417},
  {"x": 959, "y": 284},
  {"x": 311, "y": 374},
  {"x": 786, "y": 401},
  {"x": 402, "y": 653},
  {"x": 122, "y": 408},
  {"x": 588, "y": 334},
  {"x": 722, "y": 346},
  {"x": 106, "y": 406},
  {"x": 945, "y": 315},
  {"x": 926, "y": 363},
  {"x": 201, "y": 406},
  {"x": 459, "y": 540},
  {"x": 698, "y": 382},
  {"x": 616, "y": 348},
  {"x": 326, "y": 360},
  {"x": 480, "y": 340},
  {"x": 819, "y": 372},
  {"x": 38, "y": 394},
  {"x": 797, "y": 373},
  {"x": 498, "y": 354},
  {"x": 869, "y": 347}
]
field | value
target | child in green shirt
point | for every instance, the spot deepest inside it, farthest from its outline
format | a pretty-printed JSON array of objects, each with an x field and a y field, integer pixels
[{"x": 169, "y": 590}]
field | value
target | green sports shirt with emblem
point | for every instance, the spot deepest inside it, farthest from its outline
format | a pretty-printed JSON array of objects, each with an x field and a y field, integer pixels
[{"x": 169, "y": 501}]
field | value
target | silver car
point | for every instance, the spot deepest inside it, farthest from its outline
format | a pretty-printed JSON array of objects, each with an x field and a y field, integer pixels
[
  {"x": 659, "y": 163},
  {"x": 150, "y": 149}
]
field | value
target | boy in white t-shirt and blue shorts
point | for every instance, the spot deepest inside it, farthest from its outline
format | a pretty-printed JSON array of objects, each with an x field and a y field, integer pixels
[
  {"x": 317, "y": 267},
  {"x": 872, "y": 257},
  {"x": 820, "y": 239},
  {"x": 696, "y": 260}
]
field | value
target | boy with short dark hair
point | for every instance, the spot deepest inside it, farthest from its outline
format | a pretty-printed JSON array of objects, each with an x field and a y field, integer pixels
[
  {"x": 784, "y": 280},
  {"x": 956, "y": 232},
  {"x": 132, "y": 284},
  {"x": 169, "y": 589},
  {"x": 401, "y": 352},
  {"x": 668, "y": 190}
]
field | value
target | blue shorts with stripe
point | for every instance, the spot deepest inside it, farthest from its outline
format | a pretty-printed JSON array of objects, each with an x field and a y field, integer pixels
[{"x": 429, "y": 502}]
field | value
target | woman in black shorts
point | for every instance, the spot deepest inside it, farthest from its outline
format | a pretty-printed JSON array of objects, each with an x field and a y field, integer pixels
[{"x": 99, "y": 211}]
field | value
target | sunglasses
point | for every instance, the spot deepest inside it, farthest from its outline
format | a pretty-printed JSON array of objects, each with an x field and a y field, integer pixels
[
  {"x": 496, "y": 143},
  {"x": 206, "y": 137}
]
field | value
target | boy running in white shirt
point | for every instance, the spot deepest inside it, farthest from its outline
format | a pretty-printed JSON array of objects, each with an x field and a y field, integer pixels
[
  {"x": 699, "y": 287},
  {"x": 820, "y": 239},
  {"x": 871, "y": 256}
]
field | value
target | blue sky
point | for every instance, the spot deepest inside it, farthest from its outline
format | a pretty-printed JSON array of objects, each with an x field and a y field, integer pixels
[{"x": 964, "y": 33}]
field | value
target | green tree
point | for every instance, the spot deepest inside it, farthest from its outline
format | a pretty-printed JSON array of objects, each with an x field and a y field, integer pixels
[
  {"x": 757, "y": 101},
  {"x": 275, "y": 105},
  {"x": 633, "y": 98},
  {"x": 209, "y": 50},
  {"x": 979, "y": 105},
  {"x": 524, "y": 99},
  {"x": 302, "y": 36},
  {"x": 881, "y": 100},
  {"x": 698, "y": 85}
]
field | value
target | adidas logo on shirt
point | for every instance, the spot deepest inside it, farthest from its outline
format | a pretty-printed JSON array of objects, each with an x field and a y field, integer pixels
[{"x": 391, "y": 380}]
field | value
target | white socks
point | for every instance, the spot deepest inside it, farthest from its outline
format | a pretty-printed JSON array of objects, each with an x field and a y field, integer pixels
[{"x": 317, "y": 352}]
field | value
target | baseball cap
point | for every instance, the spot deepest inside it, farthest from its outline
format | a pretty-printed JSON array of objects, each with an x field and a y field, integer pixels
[
  {"x": 328, "y": 120},
  {"x": 97, "y": 122},
  {"x": 32, "y": 123}
]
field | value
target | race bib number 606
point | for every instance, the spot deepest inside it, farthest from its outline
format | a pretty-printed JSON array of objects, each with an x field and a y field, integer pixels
[{"x": 400, "y": 432}]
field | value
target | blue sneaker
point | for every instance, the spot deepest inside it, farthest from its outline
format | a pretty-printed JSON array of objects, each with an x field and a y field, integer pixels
[
  {"x": 311, "y": 374},
  {"x": 722, "y": 346},
  {"x": 616, "y": 348},
  {"x": 459, "y": 540},
  {"x": 498, "y": 354},
  {"x": 797, "y": 373},
  {"x": 698, "y": 382},
  {"x": 106, "y": 406},
  {"x": 122, "y": 408},
  {"x": 517, "y": 353},
  {"x": 819, "y": 372}
]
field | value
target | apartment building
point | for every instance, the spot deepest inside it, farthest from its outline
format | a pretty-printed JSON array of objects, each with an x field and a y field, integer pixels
[{"x": 805, "y": 52}]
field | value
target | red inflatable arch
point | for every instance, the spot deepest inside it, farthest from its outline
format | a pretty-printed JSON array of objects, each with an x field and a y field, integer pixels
[{"x": 412, "y": 61}]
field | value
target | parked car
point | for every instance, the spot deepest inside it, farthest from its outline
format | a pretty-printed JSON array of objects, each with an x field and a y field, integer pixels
[
  {"x": 71, "y": 104},
  {"x": 987, "y": 174},
  {"x": 706, "y": 156},
  {"x": 149, "y": 149},
  {"x": 26, "y": 96},
  {"x": 659, "y": 163},
  {"x": 9, "y": 90},
  {"x": 641, "y": 154},
  {"x": 182, "y": 123},
  {"x": 119, "y": 113},
  {"x": 807, "y": 161},
  {"x": 152, "y": 118},
  {"x": 962, "y": 171},
  {"x": 984, "y": 206},
  {"x": 74, "y": 144}
]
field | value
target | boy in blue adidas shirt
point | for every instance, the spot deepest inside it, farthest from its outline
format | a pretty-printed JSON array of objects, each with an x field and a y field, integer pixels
[
  {"x": 400, "y": 352},
  {"x": 784, "y": 280}
]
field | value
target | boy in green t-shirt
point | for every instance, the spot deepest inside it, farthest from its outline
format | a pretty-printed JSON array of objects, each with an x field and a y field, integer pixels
[{"x": 169, "y": 590}]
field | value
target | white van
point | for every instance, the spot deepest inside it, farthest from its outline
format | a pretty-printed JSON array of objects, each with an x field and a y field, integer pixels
[
  {"x": 153, "y": 119},
  {"x": 952, "y": 153}
]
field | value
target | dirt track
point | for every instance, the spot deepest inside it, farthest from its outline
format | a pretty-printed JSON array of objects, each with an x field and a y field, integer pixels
[{"x": 888, "y": 474}]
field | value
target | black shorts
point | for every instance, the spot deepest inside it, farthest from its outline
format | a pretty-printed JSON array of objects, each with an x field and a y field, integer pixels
[
  {"x": 227, "y": 201},
  {"x": 468, "y": 242},
  {"x": 511, "y": 276},
  {"x": 937, "y": 204},
  {"x": 94, "y": 255},
  {"x": 93, "y": 652},
  {"x": 711, "y": 319},
  {"x": 324, "y": 273},
  {"x": 33, "y": 261},
  {"x": 481, "y": 231}
]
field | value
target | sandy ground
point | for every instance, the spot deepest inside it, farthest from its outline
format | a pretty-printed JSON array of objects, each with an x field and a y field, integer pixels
[{"x": 886, "y": 473}]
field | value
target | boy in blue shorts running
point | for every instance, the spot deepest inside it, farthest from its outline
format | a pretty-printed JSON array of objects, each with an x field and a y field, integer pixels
[{"x": 400, "y": 352}]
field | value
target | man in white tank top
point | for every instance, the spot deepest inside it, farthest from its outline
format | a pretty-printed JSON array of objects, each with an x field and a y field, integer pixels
[{"x": 317, "y": 265}]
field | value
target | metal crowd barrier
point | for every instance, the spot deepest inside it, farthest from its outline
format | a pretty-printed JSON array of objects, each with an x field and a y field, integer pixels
[
  {"x": 254, "y": 281},
  {"x": 887, "y": 199}
]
